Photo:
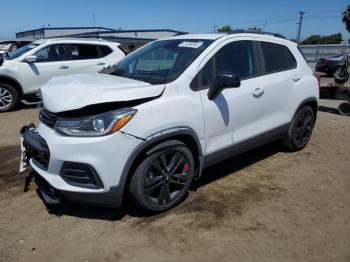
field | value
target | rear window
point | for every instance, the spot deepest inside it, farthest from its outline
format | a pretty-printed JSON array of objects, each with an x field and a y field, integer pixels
[
  {"x": 105, "y": 50},
  {"x": 277, "y": 57},
  {"x": 82, "y": 52}
]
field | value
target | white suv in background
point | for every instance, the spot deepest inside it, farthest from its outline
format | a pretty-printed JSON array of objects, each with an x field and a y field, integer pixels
[
  {"x": 168, "y": 110},
  {"x": 25, "y": 70}
]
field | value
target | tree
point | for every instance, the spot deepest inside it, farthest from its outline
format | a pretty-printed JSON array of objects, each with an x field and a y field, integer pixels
[
  {"x": 346, "y": 18},
  {"x": 323, "y": 40},
  {"x": 225, "y": 29}
]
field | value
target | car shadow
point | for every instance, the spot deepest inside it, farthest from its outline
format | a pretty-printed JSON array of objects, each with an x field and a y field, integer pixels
[
  {"x": 210, "y": 174},
  {"x": 327, "y": 109}
]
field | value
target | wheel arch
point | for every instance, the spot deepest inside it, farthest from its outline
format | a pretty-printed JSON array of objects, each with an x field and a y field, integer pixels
[
  {"x": 13, "y": 82},
  {"x": 185, "y": 135},
  {"x": 312, "y": 102}
]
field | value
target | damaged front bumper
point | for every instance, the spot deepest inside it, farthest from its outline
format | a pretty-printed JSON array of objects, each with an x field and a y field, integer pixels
[{"x": 87, "y": 170}]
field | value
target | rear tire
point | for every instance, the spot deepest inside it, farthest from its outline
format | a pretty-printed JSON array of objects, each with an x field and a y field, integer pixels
[
  {"x": 8, "y": 97},
  {"x": 344, "y": 109},
  {"x": 163, "y": 177},
  {"x": 300, "y": 130}
]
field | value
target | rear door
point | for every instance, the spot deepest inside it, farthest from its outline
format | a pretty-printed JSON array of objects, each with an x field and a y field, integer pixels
[
  {"x": 85, "y": 58},
  {"x": 279, "y": 76}
]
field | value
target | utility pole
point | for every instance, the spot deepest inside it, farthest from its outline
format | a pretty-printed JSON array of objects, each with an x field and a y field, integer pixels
[
  {"x": 301, "y": 13},
  {"x": 214, "y": 28},
  {"x": 93, "y": 20}
]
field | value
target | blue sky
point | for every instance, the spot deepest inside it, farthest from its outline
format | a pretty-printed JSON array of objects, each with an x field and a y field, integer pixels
[{"x": 322, "y": 16}]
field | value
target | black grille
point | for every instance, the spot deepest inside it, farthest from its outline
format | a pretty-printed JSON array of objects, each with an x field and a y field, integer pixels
[{"x": 48, "y": 118}]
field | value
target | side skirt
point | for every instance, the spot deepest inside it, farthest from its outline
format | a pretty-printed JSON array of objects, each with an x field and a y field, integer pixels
[{"x": 236, "y": 149}]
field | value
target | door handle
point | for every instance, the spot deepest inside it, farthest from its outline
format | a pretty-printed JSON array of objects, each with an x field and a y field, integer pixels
[
  {"x": 101, "y": 64},
  {"x": 296, "y": 77},
  {"x": 64, "y": 67},
  {"x": 258, "y": 92}
]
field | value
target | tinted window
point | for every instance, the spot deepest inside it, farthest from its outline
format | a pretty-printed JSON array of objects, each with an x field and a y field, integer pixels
[
  {"x": 105, "y": 50},
  {"x": 277, "y": 57},
  {"x": 237, "y": 57},
  {"x": 52, "y": 53},
  {"x": 82, "y": 52}
]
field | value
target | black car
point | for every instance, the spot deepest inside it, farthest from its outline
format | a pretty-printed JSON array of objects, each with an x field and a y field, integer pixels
[
  {"x": 11, "y": 45},
  {"x": 329, "y": 65}
]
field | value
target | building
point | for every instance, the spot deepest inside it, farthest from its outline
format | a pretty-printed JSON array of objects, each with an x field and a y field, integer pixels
[
  {"x": 129, "y": 39},
  {"x": 51, "y": 32}
]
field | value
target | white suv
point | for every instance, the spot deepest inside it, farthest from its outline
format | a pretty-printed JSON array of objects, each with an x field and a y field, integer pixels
[
  {"x": 25, "y": 70},
  {"x": 167, "y": 111}
]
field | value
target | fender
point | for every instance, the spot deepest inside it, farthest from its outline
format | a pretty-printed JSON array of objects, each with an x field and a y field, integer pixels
[
  {"x": 153, "y": 139},
  {"x": 305, "y": 101},
  {"x": 11, "y": 79}
]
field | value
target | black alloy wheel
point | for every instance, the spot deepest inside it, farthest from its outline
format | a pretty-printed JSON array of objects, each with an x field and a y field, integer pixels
[{"x": 163, "y": 177}]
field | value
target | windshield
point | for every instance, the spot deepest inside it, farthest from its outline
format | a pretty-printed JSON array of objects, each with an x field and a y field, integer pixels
[
  {"x": 161, "y": 61},
  {"x": 20, "y": 51}
]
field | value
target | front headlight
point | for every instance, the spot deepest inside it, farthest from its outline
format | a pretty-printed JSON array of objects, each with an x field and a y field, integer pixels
[{"x": 97, "y": 125}]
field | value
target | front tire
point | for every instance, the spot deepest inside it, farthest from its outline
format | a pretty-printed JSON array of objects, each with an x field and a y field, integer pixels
[
  {"x": 163, "y": 177},
  {"x": 300, "y": 130},
  {"x": 8, "y": 98}
]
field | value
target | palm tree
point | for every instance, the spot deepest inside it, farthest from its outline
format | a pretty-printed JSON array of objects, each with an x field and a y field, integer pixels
[{"x": 346, "y": 18}]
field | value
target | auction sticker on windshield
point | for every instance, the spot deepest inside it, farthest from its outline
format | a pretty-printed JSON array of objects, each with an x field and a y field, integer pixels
[{"x": 191, "y": 44}]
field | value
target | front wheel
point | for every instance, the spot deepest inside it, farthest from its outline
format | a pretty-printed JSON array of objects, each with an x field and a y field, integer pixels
[
  {"x": 163, "y": 177},
  {"x": 300, "y": 130},
  {"x": 8, "y": 97}
]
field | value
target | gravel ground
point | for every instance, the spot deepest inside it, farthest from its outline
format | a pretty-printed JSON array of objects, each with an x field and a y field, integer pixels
[{"x": 265, "y": 205}]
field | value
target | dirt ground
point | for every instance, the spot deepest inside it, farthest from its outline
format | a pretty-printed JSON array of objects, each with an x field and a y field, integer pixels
[{"x": 265, "y": 205}]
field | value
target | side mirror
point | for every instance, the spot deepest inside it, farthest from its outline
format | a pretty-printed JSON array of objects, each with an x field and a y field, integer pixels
[
  {"x": 223, "y": 80},
  {"x": 30, "y": 59}
]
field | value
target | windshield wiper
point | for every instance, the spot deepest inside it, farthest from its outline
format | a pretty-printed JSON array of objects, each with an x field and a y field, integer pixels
[{"x": 143, "y": 72}]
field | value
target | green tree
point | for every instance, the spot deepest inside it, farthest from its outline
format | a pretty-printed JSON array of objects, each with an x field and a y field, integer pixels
[
  {"x": 225, "y": 29},
  {"x": 323, "y": 40},
  {"x": 346, "y": 18}
]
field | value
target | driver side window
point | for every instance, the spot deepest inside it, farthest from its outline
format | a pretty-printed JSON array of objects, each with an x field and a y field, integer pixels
[
  {"x": 52, "y": 53},
  {"x": 236, "y": 57}
]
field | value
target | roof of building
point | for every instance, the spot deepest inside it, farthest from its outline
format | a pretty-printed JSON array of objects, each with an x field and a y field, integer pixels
[
  {"x": 71, "y": 40},
  {"x": 66, "y": 28}
]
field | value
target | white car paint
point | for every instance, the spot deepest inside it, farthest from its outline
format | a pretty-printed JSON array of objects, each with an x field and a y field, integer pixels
[
  {"x": 32, "y": 76},
  {"x": 91, "y": 89},
  {"x": 260, "y": 104}
]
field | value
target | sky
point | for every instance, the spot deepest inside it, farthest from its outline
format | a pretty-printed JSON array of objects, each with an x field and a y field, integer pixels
[{"x": 321, "y": 16}]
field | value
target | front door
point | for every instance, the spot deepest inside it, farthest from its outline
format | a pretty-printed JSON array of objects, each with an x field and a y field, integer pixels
[
  {"x": 234, "y": 116},
  {"x": 51, "y": 61}
]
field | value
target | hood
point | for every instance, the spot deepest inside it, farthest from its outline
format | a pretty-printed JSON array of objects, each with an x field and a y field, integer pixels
[{"x": 72, "y": 92}]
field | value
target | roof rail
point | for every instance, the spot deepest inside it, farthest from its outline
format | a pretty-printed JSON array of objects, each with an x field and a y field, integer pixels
[{"x": 240, "y": 31}]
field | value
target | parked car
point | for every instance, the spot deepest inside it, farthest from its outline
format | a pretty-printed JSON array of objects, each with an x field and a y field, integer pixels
[
  {"x": 168, "y": 110},
  {"x": 329, "y": 65},
  {"x": 25, "y": 70},
  {"x": 12, "y": 45}
]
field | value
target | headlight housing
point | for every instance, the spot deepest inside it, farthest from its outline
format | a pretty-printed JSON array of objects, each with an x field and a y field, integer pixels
[{"x": 96, "y": 125}]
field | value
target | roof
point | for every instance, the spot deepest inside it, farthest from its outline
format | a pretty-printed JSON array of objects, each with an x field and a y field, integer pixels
[
  {"x": 74, "y": 40},
  {"x": 210, "y": 36},
  {"x": 66, "y": 28},
  {"x": 215, "y": 36}
]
